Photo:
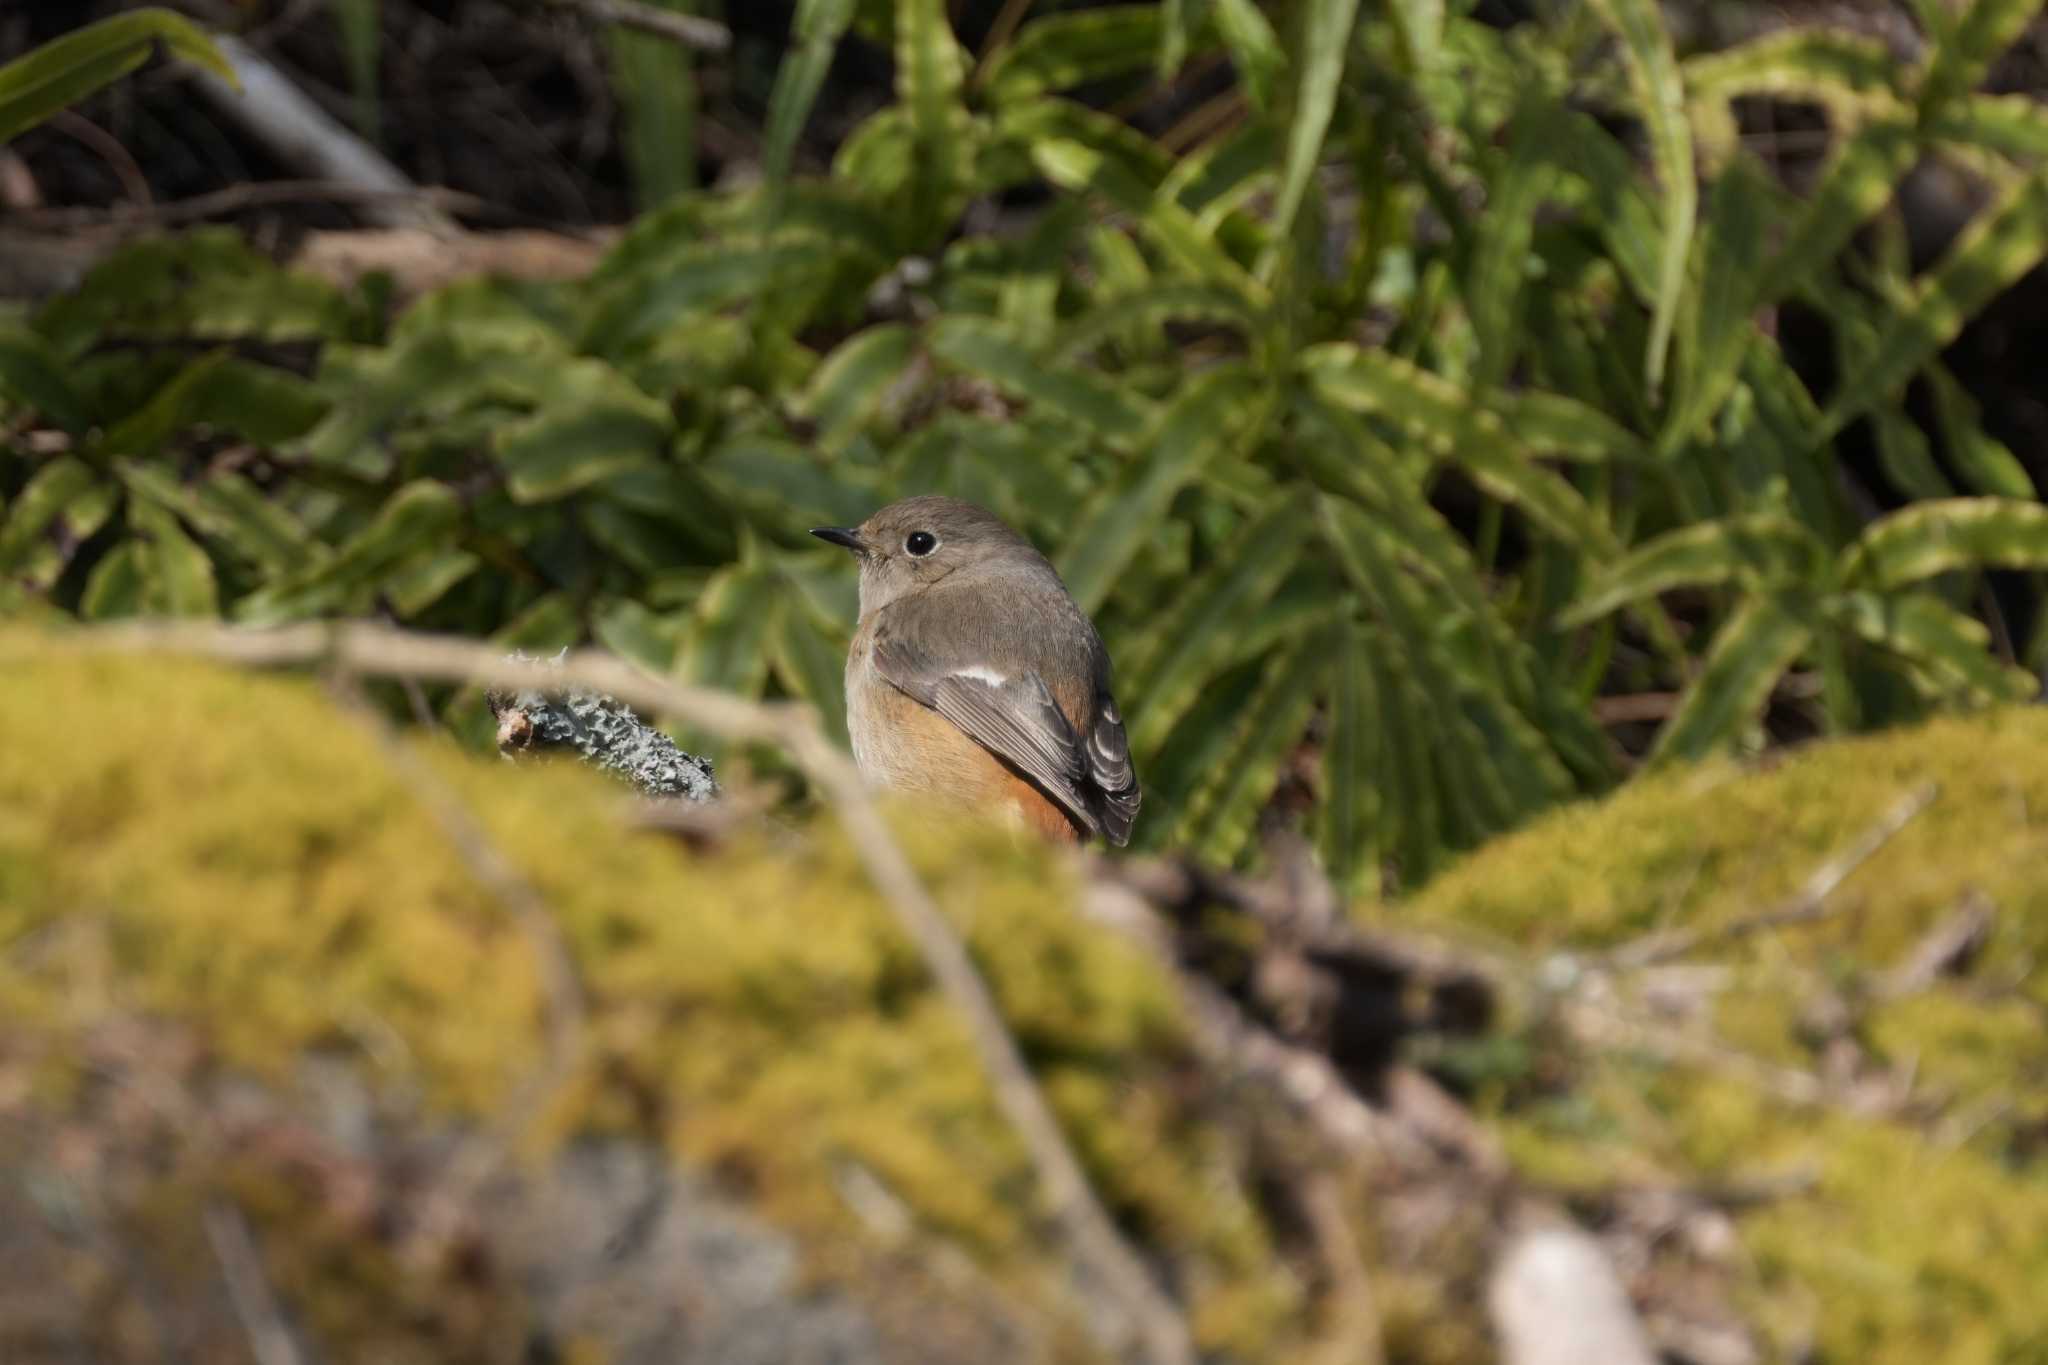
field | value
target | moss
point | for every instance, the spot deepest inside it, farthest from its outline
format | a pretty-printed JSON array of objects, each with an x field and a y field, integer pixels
[
  {"x": 262, "y": 872},
  {"x": 1925, "y": 1237}
]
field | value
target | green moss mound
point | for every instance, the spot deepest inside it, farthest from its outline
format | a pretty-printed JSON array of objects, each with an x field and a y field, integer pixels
[
  {"x": 1925, "y": 1235},
  {"x": 263, "y": 873}
]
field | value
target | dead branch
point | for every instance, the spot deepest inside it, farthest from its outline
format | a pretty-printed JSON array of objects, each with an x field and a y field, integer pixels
[
  {"x": 1945, "y": 950},
  {"x": 690, "y": 30},
  {"x": 363, "y": 649},
  {"x": 1807, "y": 904},
  {"x": 300, "y": 133},
  {"x": 241, "y": 1266}
]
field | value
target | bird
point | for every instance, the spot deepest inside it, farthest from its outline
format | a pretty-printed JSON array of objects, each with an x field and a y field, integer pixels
[{"x": 975, "y": 677}]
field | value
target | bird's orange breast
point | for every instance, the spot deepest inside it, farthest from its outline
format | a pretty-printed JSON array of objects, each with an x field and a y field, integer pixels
[{"x": 904, "y": 746}]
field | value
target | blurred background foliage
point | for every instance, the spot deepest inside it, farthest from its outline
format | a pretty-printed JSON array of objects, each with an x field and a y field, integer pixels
[{"x": 1444, "y": 409}]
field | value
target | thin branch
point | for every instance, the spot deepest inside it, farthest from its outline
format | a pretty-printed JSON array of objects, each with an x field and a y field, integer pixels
[
  {"x": 1809, "y": 903},
  {"x": 301, "y": 133},
  {"x": 690, "y": 30},
  {"x": 1092, "y": 1237},
  {"x": 241, "y": 1266}
]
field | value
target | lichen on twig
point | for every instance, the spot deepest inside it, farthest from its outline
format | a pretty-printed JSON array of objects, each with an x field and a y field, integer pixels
[{"x": 605, "y": 731}]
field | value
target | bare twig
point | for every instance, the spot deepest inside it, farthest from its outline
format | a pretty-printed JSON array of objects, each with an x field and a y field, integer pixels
[
  {"x": 690, "y": 30},
  {"x": 302, "y": 134},
  {"x": 241, "y": 1266},
  {"x": 1944, "y": 950},
  {"x": 252, "y": 194},
  {"x": 1092, "y": 1238},
  {"x": 1807, "y": 904}
]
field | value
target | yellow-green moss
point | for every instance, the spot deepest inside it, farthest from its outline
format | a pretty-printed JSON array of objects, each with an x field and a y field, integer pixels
[
  {"x": 261, "y": 870},
  {"x": 1923, "y": 1240}
]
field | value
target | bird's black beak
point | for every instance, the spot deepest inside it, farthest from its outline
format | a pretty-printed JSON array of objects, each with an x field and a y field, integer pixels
[{"x": 841, "y": 535}]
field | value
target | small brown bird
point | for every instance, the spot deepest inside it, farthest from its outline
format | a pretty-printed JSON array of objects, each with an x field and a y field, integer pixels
[{"x": 975, "y": 677}]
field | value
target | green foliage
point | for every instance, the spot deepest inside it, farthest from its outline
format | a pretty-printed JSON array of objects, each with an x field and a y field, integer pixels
[
  {"x": 1330, "y": 458},
  {"x": 64, "y": 71}
]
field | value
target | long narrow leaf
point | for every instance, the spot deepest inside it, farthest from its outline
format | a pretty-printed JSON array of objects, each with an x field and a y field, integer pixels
[
  {"x": 816, "y": 31},
  {"x": 1652, "y": 68},
  {"x": 1930, "y": 538},
  {"x": 1750, "y": 653},
  {"x": 67, "y": 69},
  {"x": 1210, "y": 416},
  {"x": 2002, "y": 244},
  {"x": 1326, "y": 41},
  {"x": 1760, "y": 550},
  {"x": 1952, "y": 650}
]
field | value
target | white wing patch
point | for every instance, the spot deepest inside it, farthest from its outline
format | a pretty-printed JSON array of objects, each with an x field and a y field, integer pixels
[{"x": 981, "y": 673}]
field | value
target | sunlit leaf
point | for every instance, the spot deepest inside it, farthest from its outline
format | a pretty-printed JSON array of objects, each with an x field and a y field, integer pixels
[
  {"x": 1757, "y": 550},
  {"x": 1652, "y": 68},
  {"x": 1751, "y": 651},
  {"x": 1928, "y": 538},
  {"x": 65, "y": 70}
]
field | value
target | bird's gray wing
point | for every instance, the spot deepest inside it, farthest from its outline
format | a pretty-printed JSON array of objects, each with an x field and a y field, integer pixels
[
  {"x": 1011, "y": 714},
  {"x": 1109, "y": 764}
]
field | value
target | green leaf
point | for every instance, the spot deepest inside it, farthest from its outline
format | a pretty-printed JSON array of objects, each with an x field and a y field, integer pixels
[
  {"x": 1985, "y": 464},
  {"x": 1326, "y": 40},
  {"x": 1860, "y": 178},
  {"x": 655, "y": 81},
  {"x": 32, "y": 373},
  {"x": 418, "y": 518},
  {"x": 848, "y": 384},
  {"x": 1061, "y": 51},
  {"x": 1759, "y": 550},
  {"x": 118, "y": 585},
  {"x": 1952, "y": 650},
  {"x": 930, "y": 70},
  {"x": 1222, "y": 815},
  {"x": 1208, "y": 417},
  {"x": 1350, "y": 807},
  {"x": 1906, "y": 457},
  {"x": 1750, "y": 653},
  {"x": 414, "y": 587},
  {"x": 1930, "y": 538},
  {"x": 1801, "y": 62},
  {"x": 39, "y": 503},
  {"x": 563, "y": 450},
  {"x": 1493, "y": 284},
  {"x": 1715, "y": 327},
  {"x": 1150, "y": 307},
  {"x": 1440, "y": 414},
  {"x": 2010, "y": 125},
  {"x": 1254, "y": 49},
  {"x": 733, "y": 621},
  {"x": 230, "y": 508},
  {"x": 1420, "y": 24},
  {"x": 695, "y": 278},
  {"x": 1625, "y": 217},
  {"x": 1200, "y": 633},
  {"x": 2001, "y": 244},
  {"x": 65, "y": 70},
  {"x": 1553, "y": 424},
  {"x": 812, "y": 667},
  {"x": 1963, "y": 55},
  {"x": 1652, "y": 68},
  {"x": 1091, "y": 165},
  {"x": 179, "y": 575},
  {"x": 994, "y": 352},
  {"x": 264, "y": 405},
  {"x": 816, "y": 31}
]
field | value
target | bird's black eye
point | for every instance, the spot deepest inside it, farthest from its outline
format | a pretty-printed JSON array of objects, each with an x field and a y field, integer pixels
[{"x": 920, "y": 543}]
